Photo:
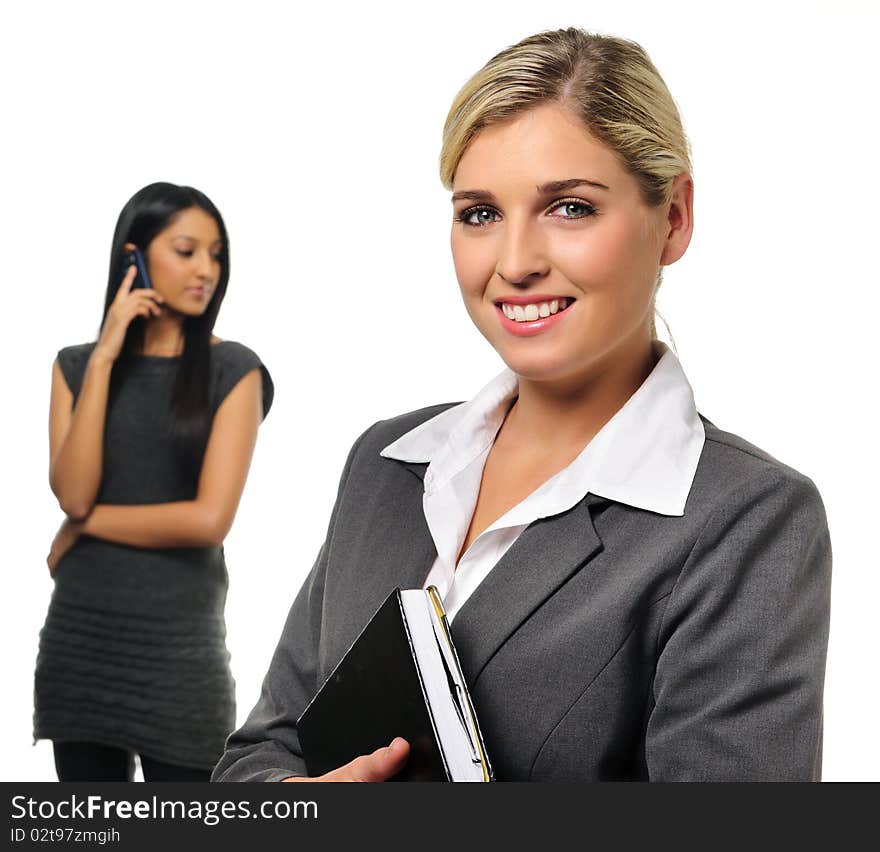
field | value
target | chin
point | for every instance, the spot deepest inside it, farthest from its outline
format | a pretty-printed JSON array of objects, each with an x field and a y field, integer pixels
[
  {"x": 190, "y": 312},
  {"x": 537, "y": 367}
]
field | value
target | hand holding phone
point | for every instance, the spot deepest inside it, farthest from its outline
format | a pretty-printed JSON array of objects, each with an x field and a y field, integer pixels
[
  {"x": 134, "y": 298},
  {"x": 136, "y": 258}
]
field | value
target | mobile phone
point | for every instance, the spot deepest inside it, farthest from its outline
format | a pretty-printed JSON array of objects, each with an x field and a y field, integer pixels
[{"x": 136, "y": 258}]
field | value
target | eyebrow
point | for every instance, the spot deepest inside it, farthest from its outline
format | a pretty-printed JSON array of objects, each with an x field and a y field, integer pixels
[
  {"x": 195, "y": 239},
  {"x": 544, "y": 189}
]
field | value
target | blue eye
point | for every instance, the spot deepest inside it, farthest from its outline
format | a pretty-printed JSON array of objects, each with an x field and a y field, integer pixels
[
  {"x": 482, "y": 215},
  {"x": 466, "y": 216},
  {"x": 586, "y": 208}
]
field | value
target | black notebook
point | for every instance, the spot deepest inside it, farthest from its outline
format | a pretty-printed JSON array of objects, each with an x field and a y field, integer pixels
[{"x": 400, "y": 678}]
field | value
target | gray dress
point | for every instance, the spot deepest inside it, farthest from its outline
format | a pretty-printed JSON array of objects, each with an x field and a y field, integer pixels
[{"x": 133, "y": 650}]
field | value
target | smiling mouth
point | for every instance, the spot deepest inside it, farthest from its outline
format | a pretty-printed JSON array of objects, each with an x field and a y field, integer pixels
[{"x": 534, "y": 310}]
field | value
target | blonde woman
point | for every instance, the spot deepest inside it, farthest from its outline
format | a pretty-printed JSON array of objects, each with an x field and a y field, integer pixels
[{"x": 634, "y": 592}]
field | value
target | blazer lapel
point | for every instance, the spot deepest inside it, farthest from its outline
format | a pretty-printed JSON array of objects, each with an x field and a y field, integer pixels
[
  {"x": 406, "y": 552},
  {"x": 396, "y": 549},
  {"x": 392, "y": 546},
  {"x": 544, "y": 556}
]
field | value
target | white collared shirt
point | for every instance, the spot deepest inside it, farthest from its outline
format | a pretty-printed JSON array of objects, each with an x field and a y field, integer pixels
[{"x": 646, "y": 456}]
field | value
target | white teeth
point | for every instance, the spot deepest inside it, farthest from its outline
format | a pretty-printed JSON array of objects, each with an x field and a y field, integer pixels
[{"x": 529, "y": 313}]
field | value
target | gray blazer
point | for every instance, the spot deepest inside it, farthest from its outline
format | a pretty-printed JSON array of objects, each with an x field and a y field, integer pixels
[{"x": 608, "y": 643}]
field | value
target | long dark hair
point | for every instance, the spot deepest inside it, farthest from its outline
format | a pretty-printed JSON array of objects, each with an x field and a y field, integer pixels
[{"x": 147, "y": 212}]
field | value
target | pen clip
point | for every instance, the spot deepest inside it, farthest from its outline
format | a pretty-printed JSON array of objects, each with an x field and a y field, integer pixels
[{"x": 462, "y": 707}]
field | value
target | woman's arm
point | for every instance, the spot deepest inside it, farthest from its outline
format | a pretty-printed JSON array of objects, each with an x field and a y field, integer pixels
[
  {"x": 205, "y": 521},
  {"x": 76, "y": 436},
  {"x": 76, "y": 433},
  {"x": 740, "y": 674}
]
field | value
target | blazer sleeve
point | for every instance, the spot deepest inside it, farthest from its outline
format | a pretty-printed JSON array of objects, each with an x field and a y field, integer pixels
[
  {"x": 266, "y": 747},
  {"x": 741, "y": 659}
]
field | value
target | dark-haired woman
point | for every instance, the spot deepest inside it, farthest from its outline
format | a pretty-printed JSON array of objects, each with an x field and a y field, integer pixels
[{"x": 152, "y": 431}]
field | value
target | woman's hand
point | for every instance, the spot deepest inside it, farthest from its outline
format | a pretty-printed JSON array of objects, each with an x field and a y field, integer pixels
[
  {"x": 64, "y": 539},
  {"x": 127, "y": 305},
  {"x": 378, "y": 766}
]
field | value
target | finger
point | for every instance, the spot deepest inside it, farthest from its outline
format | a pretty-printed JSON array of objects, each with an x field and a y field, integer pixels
[
  {"x": 143, "y": 304},
  {"x": 151, "y": 307},
  {"x": 151, "y": 294},
  {"x": 127, "y": 281},
  {"x": 141, "y": 295},
  {"x": 134, "y": 313},
  {"x": 378, "y": 766}
]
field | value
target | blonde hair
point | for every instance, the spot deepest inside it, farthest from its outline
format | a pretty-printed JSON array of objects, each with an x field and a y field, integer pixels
[{"x": 609, "y": 83}]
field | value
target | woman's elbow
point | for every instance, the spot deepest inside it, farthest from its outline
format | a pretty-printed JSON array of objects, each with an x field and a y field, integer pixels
[
  {"x": 75, "y": 506},
  {"x": 75, "y": 503},
  {"x": 76, "y": 514},
  {"x": 216, "y": 527}
]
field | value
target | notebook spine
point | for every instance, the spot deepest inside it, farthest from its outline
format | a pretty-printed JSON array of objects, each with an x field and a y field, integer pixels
[{"x": 421, "y": 678}]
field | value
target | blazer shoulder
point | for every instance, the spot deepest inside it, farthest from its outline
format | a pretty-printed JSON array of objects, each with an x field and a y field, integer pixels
[{"x": 729, "y": 463}]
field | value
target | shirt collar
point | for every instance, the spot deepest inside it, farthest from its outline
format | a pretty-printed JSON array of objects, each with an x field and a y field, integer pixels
[{"x": 645, "y": 456}]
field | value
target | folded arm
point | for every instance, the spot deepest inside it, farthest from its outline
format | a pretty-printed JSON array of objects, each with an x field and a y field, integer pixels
[{"x": 206, "y": 520}]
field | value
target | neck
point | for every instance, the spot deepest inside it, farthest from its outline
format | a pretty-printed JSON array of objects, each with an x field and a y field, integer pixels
[
  {"x": 163, "y": 336},
  {"x": 564, "y": 416}
]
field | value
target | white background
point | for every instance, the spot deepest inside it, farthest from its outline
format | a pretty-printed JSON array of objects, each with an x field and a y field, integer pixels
[{"x": 316, "y": 131}]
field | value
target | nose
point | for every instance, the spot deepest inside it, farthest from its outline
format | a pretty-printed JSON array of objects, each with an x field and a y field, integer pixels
[
  {"x": 522, "y": 256},
  {"x": 206, "y": 264}
]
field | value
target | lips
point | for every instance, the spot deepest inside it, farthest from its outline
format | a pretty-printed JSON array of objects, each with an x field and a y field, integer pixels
[
  {"x": 528, "y": 316},
  {"x": 532, "y": 298}
]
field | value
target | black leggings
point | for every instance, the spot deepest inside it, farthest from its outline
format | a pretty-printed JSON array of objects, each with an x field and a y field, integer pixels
[{"x": 95, "y": 762}]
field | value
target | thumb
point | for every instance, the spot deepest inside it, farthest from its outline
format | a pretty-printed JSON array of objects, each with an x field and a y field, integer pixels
[{"x": 378, "y": 766}]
